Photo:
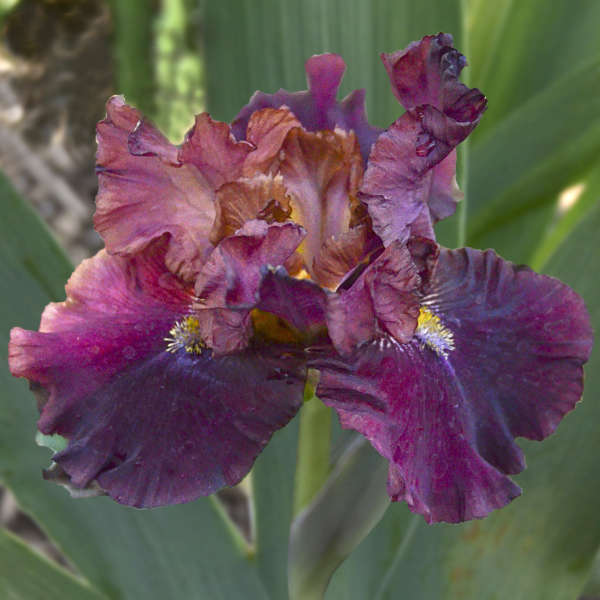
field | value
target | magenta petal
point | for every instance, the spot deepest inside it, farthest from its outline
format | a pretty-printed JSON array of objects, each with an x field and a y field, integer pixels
[
  {"x": 232, "y": 275},
  {"x": 317, "y": 108},
  {"x": 447, "y": 423},
  {"x": 152, "y": 425},
  {"x": 142, "y": 194}
]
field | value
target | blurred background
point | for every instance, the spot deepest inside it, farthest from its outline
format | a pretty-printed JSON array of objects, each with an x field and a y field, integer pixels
[{"x": 531, "y": 173}]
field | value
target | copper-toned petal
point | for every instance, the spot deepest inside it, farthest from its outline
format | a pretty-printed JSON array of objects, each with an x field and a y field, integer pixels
[
  {"x": 261, "y": 197},
  {"x": 143, "y": 195},
  {"x": 322, "y": 171},
  {"x": 267, "y": 130}
]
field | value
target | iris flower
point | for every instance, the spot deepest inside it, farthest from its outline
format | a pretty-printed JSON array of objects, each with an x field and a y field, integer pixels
[{"x": 300, "y": 237}]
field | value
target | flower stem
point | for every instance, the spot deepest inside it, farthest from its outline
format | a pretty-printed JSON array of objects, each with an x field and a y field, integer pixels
[{"x": 314, "y": 441}]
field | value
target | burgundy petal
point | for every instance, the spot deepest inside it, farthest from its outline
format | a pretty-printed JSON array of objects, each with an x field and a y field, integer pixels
[
  {"x": 152, "y": 426},
  {"x": 407, "y": 179},
  {"x": 317, "y": 108},
  {"x": 383, "y": 299},
  {"x": 426, "y": 72},
  {"x": 232, "y": 275},
  {"x": 143, "y": 195},
  {"x": 410, "y": 181},
  {"x": 446, "y": 417}
]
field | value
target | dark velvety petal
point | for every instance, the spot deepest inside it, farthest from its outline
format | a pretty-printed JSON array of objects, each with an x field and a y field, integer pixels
[
  {"x": 212, "y": 149},
  {"x": 407, "y": 172},
  {"x": 300, "y": 302},
  {"x": 177, "y": 426},
  {"x": 231, "y": 276},
  {"x": 446, "y": 415},
  {"x": 322, "y": 171},
  {"x": 261, "y": 197},
  {"x": 152, "y": 426},
  {"x": 384, "y": 299},
  {"x": 317, "y": 108},
  {"x": 408, "y": 405},
  {"x": 142, "y": 194}
]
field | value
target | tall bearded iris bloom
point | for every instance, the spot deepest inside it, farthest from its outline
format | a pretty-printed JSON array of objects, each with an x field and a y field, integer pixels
[{"x": 301, "y": 237}]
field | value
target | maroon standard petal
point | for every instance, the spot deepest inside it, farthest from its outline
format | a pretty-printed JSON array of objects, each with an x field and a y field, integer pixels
[
  {"x": 410, "y": 181},
  {"x": 497, "y": 354},
  {"x": 317, "y": 108},
  {"x": 232, "y": 275},
  {"x": 383, "y": 299},
  {"x": 150, "y": 413}
]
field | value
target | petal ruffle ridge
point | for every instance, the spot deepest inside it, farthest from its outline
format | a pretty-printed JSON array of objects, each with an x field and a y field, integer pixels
[
  {"x": 317, "y": 108},
  {"x": 152, "y": 426},
  {"x": 447, "y": 423},
  {"x": 410, "y": 181}
]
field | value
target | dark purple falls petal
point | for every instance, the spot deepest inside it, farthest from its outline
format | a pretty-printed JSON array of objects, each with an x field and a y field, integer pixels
[
  {"x": 317, "y": 108},
  {"x": 447, "y": 425},
  {"x": 153, "y": 424},
  {"x": 177, "y": 426}
]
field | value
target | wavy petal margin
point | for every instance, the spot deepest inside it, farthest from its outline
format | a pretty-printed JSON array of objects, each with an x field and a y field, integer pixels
[
  {"x": 410, "y": 181},
  {"x": 447, "y": 424},
  {"x": 152, "y": 427},
  {"x": 317, "y": 108}
]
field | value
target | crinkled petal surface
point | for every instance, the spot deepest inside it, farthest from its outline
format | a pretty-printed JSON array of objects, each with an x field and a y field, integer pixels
[
  {"x": 152, "y": 427},
  {"x": 232, "y": 275},
  {"x": 143, "y": 194},
  {"x": 383, "y": 299},
  {"x": 447, "y": 425},
  {"x": 317, "y": 108},
  {"x": 410, "y": 181}
]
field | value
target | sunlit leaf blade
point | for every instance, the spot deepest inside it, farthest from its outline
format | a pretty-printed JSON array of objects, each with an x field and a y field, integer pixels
[
  {"x": 540, "y": 547},
  {"x": 263, "y": 44},
  {"x": 175, "y": 552},
  {"x": 351, "y": 502},
  {"x": 26, "y": 575},
  {"x": 528, "y": 157}
]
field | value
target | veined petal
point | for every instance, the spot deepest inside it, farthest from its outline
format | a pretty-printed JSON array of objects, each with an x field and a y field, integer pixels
[
  {"x": 322, "y": 171},
  {"x": 212, "y": 149},
  {"x": 446, "y": 416},
  {"x": 154, "y": 423},
  {"x": 231, "y": 276},
  {"x": 260, "y": 197},
  {"x": 142, "y": 194},
  {"x": 317, "y": 108},
  {"x": 409, "y": 182},
  {"x": 267, "y": 130}
]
